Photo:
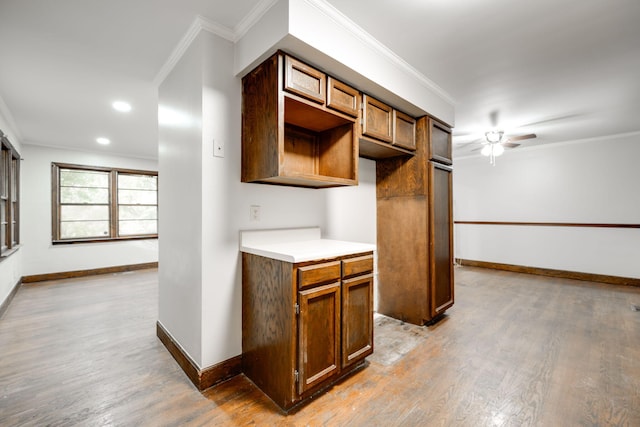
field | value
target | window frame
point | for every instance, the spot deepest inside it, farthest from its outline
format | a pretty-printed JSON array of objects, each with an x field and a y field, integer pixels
[
  {"x": 10, "y": 180},
  {"x": 113, "y": 204}
]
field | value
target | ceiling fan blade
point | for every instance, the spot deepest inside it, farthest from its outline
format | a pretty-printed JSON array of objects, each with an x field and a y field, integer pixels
[
  {"x": 510, "y": 145},
  {"x": 554, "y": 119},
  {"x": 465, "y": 144},
  {"x": 521, "y": 137}
]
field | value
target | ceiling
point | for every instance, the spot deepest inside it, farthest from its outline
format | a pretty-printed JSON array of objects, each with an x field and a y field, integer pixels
[{"x": 565, "y": 70}]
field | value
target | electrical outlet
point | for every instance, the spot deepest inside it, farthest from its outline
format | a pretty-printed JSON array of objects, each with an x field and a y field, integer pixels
[{"x": 254, "y": 213}]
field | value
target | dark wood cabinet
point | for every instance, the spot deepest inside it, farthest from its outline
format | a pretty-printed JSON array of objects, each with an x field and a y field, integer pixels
[
  {"x": 415, "y": 233},
  {"x": 290, "y": 136},
  {"x": 404, "y": 130},
  {"x": 303, "y": 80},
  {"x": 385, "y": 131},
  {"x": 377, "y": 119},
  {"x": 440, "y": 143},
  {"x": 319, "y": 335},
  {"x": 441, "y": 238},
  {"x": 305, "y": 325},
  {"x": 357, "y": 320},
  {"x": 342, "y": 97}
]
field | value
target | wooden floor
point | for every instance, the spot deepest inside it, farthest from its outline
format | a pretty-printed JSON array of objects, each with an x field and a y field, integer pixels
[{"x": 515, "y": 350}]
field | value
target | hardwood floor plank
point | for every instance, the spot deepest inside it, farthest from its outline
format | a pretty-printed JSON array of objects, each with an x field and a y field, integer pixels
[{"x": 515, "y": 350}]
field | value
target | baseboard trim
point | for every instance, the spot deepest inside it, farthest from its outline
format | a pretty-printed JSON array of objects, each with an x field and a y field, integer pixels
[
  {"x": 207, "y": 377},
  {"x": 91, "y": 272},
  {"x": 5, "y": 304},
  {"x": 563, "y": 274}
]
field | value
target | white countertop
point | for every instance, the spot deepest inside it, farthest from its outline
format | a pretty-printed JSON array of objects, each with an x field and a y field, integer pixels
[{"x": 298, "y": 245}]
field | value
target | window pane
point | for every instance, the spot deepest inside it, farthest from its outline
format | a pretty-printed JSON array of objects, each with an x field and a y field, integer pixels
[
  {"x": 80, "y": 229},
  {"x": 137, "y": 182},
  {"x": 137, "y": 197},
  {"x": 137, "y": 212},
  {"x": 4, "y": 174},
  {"x": 84, "y": 213},
  {"x": 77, "y": 178},
  {"x": 14, "y": 179},
  {"x": 84, "y": 195},
  {"x": 138, "y": 227},
  {"x": 3, "y": 235},
  {"x": 3, "y": 211}
]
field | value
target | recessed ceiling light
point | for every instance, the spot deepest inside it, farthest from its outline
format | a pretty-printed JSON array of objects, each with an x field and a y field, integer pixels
[
  {"x": 121, "y": 106},
  {"x": 103, "y": 141}
]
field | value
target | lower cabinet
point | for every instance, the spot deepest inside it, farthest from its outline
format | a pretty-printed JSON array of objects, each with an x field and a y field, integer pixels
[{"x": 305, "y": 325}]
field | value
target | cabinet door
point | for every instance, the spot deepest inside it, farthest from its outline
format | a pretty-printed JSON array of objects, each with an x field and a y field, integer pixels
[
  {"x": 441, "y": 230},
  {"x": 377, "y": 119},
  {"x": 318, "y": 335},
  {"x": 342, "y": 97},
  {"x": 439, "y": 143},
  {"x": 357, "y": 319},
  {"x": 404, "y": 130},
  {"x": 303, "y": 80}
]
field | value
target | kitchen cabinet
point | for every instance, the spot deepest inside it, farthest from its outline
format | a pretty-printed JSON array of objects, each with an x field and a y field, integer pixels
[
  {"x": 415, "y": 232},
  {"x": 385, "y": 132},
  {"x": 305, "y": 325},
  {"x": 293, "y": 133},
  {"x": 440, "y": 143}
]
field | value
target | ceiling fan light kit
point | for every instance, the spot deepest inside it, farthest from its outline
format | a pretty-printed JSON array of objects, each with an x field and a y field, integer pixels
[
  {"x": 492, "y": 150},
  {"x": 494, "y": 136}
]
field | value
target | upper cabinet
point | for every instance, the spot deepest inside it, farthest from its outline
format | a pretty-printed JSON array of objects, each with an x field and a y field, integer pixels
[
  {"x": 439, "y": 142},
  {"x": 302, "y": 127},
  {"x": 298, "y": 126},
  {"x": 385, "y": 131}
]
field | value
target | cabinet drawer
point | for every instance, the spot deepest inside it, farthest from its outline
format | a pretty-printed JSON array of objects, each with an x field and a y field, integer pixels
[
  {"x": 404, "y": 130},
  {"x": 316, "y": 274},
  {"x": 377, "y": 119},
  {"x": 357, "y": 266},
  {"x": 342, "y": 97},
  {"x": 303, "y": 80}
]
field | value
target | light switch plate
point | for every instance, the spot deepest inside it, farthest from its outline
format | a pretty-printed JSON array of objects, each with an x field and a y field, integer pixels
[{"x": 218, "y": 148}]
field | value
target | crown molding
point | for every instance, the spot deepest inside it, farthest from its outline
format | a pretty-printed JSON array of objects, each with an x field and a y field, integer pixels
[
  {"x": 252, "y": 18},
  {"x": 13, "y": 128},
  {"x": 341, "y": 19},
  {"x": 204, "y": 24},
  {"x": 199, "y": 24},
  {"x": 235, "y": 34}
]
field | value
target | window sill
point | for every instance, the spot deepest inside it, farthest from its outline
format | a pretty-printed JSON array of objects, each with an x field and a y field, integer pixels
[
  {"x": 8, "y": 252},
  {"x": 98, "y": 240}
]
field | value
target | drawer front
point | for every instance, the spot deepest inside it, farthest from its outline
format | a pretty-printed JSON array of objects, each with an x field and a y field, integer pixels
[
  {"x": 356, "y": 266},
  {"x": 377, "y": 119},
  {"x": 404, "y": 130},
  {"x": 316, "y": 274},
  {"x": 303, "y": 80},
  {"x": 342, "y": 98}
]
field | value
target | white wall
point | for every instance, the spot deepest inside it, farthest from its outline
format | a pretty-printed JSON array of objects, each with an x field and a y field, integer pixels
[
  {"x": 10, "y": 267},
  {"x": 591, "y": 181},
  {"x": 39, "y": 255},
  {"x": 200, "y": 265}
]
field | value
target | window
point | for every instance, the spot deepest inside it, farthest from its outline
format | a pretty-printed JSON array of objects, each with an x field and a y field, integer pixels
[
  {"x": 9, "y": 197},
  {"x": 102, "y": 204}
]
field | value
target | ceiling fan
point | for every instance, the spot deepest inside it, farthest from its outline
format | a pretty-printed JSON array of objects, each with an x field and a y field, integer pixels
[{"x": 494, "y": 144}]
